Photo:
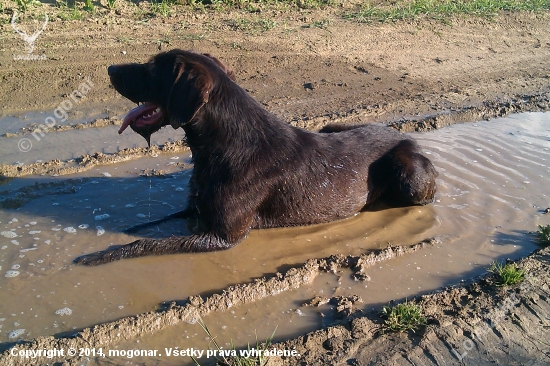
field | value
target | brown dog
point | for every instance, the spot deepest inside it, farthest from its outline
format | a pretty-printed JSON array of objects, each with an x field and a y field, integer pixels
[{"x": 252, "y": 170}]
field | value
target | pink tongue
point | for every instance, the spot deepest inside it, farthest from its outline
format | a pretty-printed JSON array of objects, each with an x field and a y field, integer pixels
[{"x": 135, "y": 113}]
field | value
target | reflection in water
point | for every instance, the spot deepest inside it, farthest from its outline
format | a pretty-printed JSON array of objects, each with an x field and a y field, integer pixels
[{"x": 491, "y": 191}]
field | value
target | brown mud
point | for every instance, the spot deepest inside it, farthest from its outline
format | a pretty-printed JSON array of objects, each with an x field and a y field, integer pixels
[
  {"x": 310, "y": 67},
  {"x": 478, "y": 323},
  {"x": 196, "y": 307},
  {"x": 87, "y": 162},
  {"x": 97, "y": 123}
]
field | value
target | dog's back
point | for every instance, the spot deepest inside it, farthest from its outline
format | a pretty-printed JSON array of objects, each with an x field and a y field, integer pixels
[{"x": 336, "y": 175}]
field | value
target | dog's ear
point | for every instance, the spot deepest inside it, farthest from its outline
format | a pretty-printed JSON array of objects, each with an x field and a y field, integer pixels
[
  {"x": 222, "y": 66},
  {"x": 190, "y": 91}
]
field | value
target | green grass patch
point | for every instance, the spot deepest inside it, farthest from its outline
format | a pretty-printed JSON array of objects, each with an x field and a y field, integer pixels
[
  {"x": 89, "y": 5},
  {"x": 124, "y": 39},
  {"x": 238, "y": 360},
  {"x": 543, "y": 235},
  {"x": 253, "y": 5},
  {"x": 507, "y": 274},
  {"x": 402, "y": 317},
  {"x": 321, "y": 24},
  {"x": 441, "y": 9},
  {"x": 23, "y": 5},
  {"x": 162, "y": 7},
  {"x": 252, "y": 26},
  {"x": 313, "y": 4},
  {"x": 193, "y": 37},
  {"x": 68, "y": 12},
  {"x": 370, "y": 11},
  {"x": 164, "y": 41}
]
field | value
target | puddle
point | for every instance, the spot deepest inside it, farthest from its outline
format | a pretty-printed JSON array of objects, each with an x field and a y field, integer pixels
[
  {"x": 91, "y": 217},
  {"x": 44, "y": 145},
  {"x": 491, "y": 193},
  {"x": 286, "y": 319}
]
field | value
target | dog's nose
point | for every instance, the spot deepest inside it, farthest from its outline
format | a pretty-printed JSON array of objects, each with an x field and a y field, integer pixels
[{"x": 111, "y": 70}]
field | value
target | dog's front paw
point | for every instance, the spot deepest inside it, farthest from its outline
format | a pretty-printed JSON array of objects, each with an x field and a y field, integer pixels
[{"x": 96, "y": 258}]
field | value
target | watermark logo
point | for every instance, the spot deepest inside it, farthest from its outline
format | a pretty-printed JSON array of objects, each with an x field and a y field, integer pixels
[
  {"x": 60, "y": 113},
  {"x": 28, "y": 39},
  {"x": 494, "y": 317}
]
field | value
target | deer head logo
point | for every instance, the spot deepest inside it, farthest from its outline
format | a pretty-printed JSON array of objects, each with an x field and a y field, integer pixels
[{"x": 29, "y": 39}]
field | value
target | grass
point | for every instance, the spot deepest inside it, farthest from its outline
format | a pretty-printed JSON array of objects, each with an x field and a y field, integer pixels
[
  {"x": 125, "y": 40},
  {"x": 543, "y": 235},
  {"x": 67, "y": 12},
  {"x": 440, "y": 9},
  {"x": 23, "y": 5},
  {"x": 252, "y": 4},
  {"x": 380, "y": 11},
  {"x": 507, "y": 274},
  {"x": 238, "y": 360},
  {"x": 162, "y": 8},
  {"x": 321, "y": 24},
  {"x": 313, "y": 4},
  {"x": 89, "y": 6},
  {"x": 193, "y": 37},
  {"x": 403, "y": 317},
  {"x": 165, "y": 40},
  {"x": 253, "y": 26}
]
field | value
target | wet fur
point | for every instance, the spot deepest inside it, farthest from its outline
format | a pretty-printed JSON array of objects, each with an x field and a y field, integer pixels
[{"x": 253, "y": 171}]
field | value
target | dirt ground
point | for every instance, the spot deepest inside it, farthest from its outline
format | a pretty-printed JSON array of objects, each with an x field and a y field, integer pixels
[
  {"x": 476, "y": 324},
  {"x": 312, "y": 67}
]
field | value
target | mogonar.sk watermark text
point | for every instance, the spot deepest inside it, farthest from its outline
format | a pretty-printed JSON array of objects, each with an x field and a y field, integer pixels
[{"x": 59, "y": 114}]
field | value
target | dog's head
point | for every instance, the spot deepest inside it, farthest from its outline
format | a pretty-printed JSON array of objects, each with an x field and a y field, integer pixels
[{"x": 170, "y": 89}]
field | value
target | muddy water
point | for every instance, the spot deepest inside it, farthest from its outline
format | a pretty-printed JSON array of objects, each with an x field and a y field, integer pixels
[
  {"x": 45, "y": 146},
  {"x": 492, "y": 192},
  {"x": 91, "y": 219}
]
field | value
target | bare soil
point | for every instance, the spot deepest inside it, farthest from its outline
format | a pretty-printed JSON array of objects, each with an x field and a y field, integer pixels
[
  {"x": 311, "y": 68},
  {"x": 477, "y": 324}
]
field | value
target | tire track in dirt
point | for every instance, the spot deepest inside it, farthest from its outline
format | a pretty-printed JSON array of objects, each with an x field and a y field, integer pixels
[
  {"x": 195, "y": 307},
  {"x": 477, "y": 323},
  {"x": 86, "y": 162},
  {"x": 413, "y": 69}
]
